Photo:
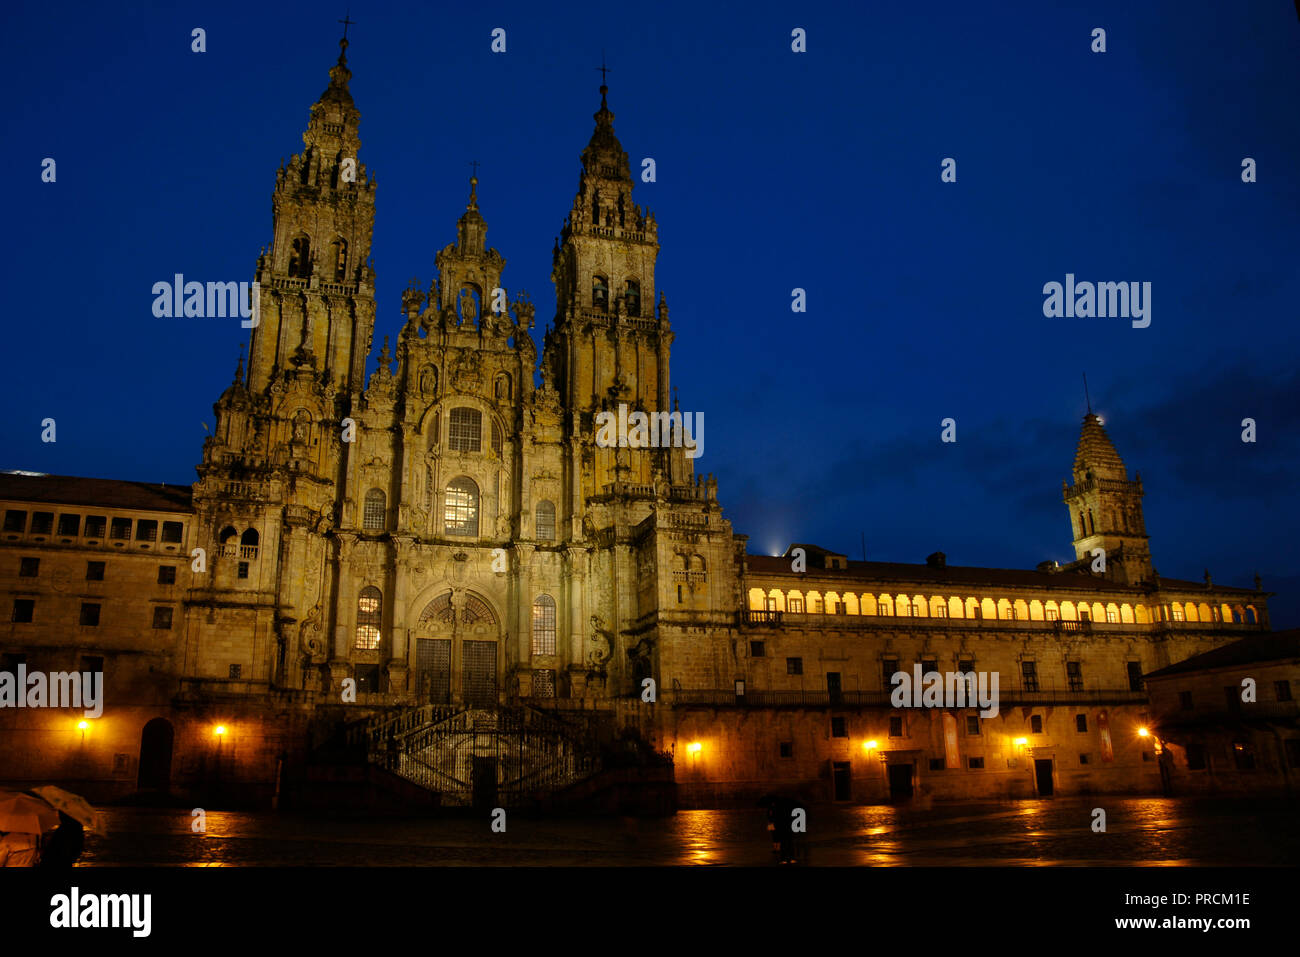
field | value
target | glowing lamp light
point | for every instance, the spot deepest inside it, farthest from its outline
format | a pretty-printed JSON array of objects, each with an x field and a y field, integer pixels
[
  {"x": 1143, "y": 732},
  {"x": 83, "y": 725},
  {"x": 1021, "y": 742},
  {"x": 220, "y": 730},
  {"x": 694, "y": 747},
  {"x": 870, "y": 745}
]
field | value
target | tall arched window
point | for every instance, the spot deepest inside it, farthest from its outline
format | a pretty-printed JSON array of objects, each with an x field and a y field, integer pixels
[
  {"x": 599, "y": 294},
  {"x": 370, "y": 618},
  {"x": 460, "y": 508},
  {"x": 1092, "y": 528},
  {"x": 340, "y": 257},
  {"x": 1083, "y": 525},
  {"x": 375, "y": 516},
  {"x": 544, "y": 625},
  {"x": 300, "y": 257},
  {"x": 465, "y": 430},
  {"x": 633, "y": 297},
  {"x": 545, "y": 522}
]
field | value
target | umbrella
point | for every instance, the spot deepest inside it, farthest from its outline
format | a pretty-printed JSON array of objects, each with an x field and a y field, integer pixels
[
  {"x": 25, "y": 814},
  {"x": 73, "y": 805}
]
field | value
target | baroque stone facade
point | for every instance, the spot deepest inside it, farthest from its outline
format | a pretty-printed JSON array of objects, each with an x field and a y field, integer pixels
[{"x": 449, "y": 535}]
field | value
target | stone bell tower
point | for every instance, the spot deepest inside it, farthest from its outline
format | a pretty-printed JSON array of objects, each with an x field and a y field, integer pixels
[{"x": 1106, "y": 508}]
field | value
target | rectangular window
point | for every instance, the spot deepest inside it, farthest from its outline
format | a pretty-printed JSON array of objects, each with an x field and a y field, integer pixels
[
  {"x": 94, "y": 571},
  {"x": 235, "y": 671},
  {"x": 896, "y": 726},
  {"x": 1112, "y": 616},
  {"x": 1134, "y": 675},
  {"x": 966, "y": 667},
  {"x": 242, "y": 571},
  {"x": 1029, "y": 675},
  {"x": 23, "y": 608},
  {"x": 936, "y": 764},
  {"x": 28, "y": 567},
  {"x": 1074, "y": 675},
  {"x": 975, "y": 764},
  {"x": 120, "y": 529},
  {"x": 95, "y": 525},
  {"x": 1053, "y": 614},
  {"x": 972, "y": 724},
  {"x": 794, "y": 666},
  {"x": 166, "y": 574},
  {"x": 904, "y": 610},
  {"x": 1081, "y": 723},
  {"x": 838, "y": 728},
  {"x": 42, "y": 523},
  {"x": 1083, "y": 759},
  {"x": 544, "y": 683},
  {"x": 93, "y": 663},
  {"x": 162, "y": 617},
  {"x": 173, "y": 532},
  {"x": 1177, "y": 612},
  {"x": 15, "y": 520},
  {"x": 464, "y": 433},
  {"x": 146, "y": 530},
  {"x": 928, "y": 666},
  {"x": 796, "y": 606},
  {"x": 69, "y": 525},
  {"x": 786, "y": 749},
  {"x": 1185, "y": 700},
  {"x": 1035, "y": 724},
  {"x": 1283, "y": 690},
  {"x": 758, "y": 649},
  {"x": 941, "y": 611},
  {"x": 89, "y": 614},
  {"x": 544, "y": 625},
  {"x": 815, "y": 607},
  {"x": 888, "y": 668}
]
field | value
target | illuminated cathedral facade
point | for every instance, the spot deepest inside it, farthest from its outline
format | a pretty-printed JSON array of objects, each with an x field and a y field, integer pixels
[{"x": 440, "y": 558}]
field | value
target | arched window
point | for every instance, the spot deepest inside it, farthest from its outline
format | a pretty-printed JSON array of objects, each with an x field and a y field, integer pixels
[
  {"x": 370, "y": 617},
  {"x": 249, "y": 537},
  {"x": 375, "y": 516},
  {"x": 1092, "y": 528},
  {"x": 599, "y": 294},
  {"x": 545, "y": 522},
  {"x": 497, "y": 444},
  {"x": 340, "y": 257},
  {"x": 300, "y": 257},
  {"x": 465, "y": 431},
  {"x": 227, "y": 535},
  {"x": 544, "y": 625},
  {"x": 460, "y": 509},
  {"x": 633, "y": 297}
]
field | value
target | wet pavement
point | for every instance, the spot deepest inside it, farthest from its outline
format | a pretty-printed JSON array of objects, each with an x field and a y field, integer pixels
[{"x": 1139, "y": 831}]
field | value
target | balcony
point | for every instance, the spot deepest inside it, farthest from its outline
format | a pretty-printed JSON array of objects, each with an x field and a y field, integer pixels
[{"x": 242, "y": 552}]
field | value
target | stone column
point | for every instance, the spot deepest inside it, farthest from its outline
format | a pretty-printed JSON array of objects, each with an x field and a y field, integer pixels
[
  {"x": 344, "y": 611},
  {"x": 399, "y": 661}
]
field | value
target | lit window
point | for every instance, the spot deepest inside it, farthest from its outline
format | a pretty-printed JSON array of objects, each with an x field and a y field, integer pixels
[
  {"x": 460, "y": 509},
  {"x": 465, "y": 430},
  {"x": 1112, "y": 615},
  {"x": 376, "y": 510},
  {"x": 544, "y": 625},
  {"x": 545, "y": 522},
  {"x": 370, "y": 614}
]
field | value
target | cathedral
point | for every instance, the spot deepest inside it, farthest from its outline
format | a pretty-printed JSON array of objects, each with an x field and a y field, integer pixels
[{"x": 423, "y": 572}]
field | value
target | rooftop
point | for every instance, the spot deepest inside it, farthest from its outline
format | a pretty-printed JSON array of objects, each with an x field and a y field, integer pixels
[
  {"x": 94, "y": 492},
  {"x": 1276, "y": 646}
]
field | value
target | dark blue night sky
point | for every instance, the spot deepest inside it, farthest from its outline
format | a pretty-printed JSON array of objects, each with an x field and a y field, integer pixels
[{"x": 775, "y": 170}]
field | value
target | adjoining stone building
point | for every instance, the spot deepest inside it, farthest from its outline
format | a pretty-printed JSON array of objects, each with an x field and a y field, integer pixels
[
  {"x": 446, "y": 558},
  {"x": 1228, "y": 720}
]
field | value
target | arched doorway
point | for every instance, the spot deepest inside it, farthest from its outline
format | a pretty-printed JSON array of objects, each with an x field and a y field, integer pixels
[
  {"x": 155, "y": 756},
  {"x": 457, "y": 633}
]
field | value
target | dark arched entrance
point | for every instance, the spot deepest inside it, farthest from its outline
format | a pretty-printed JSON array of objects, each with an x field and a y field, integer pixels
[{"x": 156, "y": 755}]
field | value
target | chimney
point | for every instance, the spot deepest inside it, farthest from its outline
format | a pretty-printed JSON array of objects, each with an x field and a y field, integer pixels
[{"x": 937, "y": 560}]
